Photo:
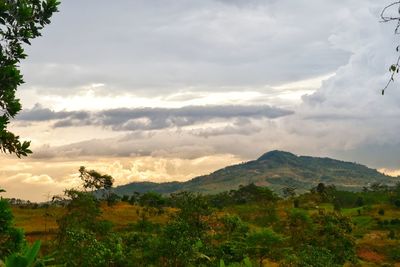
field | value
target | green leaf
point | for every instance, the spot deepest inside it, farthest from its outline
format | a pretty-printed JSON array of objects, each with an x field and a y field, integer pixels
[
  {"x": 247, "y": 262},
  {"x": 32, "y": 253},
  {"x": 16, "y": 260}
]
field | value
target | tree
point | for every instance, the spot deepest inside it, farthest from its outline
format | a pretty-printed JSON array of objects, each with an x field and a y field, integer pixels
[
  {"x": 300, "y": 227},
  {"x": 11, "y": 239},
  {"x": 326, "y": 192},
  {"x": 262, "y": 244},
  {"x": 314, "y": 256},
  {"x": 289, "y": 192},
  {"x": 333, "y": 232},
  {"x": 386, "y": 16},
  {"x": 21, "y": 21},
  {"x": 193, "y": 210},
  {"x": 232, "y": 239},
  {"x": 178, "y": 246},
  {"x": 83, "y": 238},
  {"x": 82, "y": 212},
  {"x": 93, "y": 180},
  {"x": 152, "y": 199}
]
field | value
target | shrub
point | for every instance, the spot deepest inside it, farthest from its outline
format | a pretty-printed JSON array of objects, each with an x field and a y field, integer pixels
[{"x": 11, "y": 239}]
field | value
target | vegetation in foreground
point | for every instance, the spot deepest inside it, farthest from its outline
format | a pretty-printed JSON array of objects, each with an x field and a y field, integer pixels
[{"x": 250, "y": 226}]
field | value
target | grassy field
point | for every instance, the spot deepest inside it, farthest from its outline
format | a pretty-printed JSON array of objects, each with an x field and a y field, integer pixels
[
  {"x": 41, "y": 223},
  {"x": 373, "y": 245}
]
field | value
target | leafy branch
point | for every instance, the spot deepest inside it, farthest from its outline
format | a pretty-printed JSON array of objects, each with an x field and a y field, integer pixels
[{"x": 386, "y": 17}]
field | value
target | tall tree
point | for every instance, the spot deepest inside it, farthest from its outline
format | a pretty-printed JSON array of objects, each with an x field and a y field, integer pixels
[
  {"x": 93, "y": 180},
  {"x": 21, "y": 21}
]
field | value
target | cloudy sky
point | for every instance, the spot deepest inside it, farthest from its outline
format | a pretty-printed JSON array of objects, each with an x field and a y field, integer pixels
[{"x": 170, "y": 89}]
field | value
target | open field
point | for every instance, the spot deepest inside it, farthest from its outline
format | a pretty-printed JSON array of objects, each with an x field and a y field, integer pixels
[
  {"x": 328, "y": 226},
  {"x": 41, "y": 223},
  {"x": 373, "y": 246}
]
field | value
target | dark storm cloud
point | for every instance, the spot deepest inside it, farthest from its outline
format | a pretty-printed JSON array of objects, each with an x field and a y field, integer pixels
[
  {"x": 374, "y": 155},
  {"x": 38, "y": 113},
  {"x": 125, "y": 119}
]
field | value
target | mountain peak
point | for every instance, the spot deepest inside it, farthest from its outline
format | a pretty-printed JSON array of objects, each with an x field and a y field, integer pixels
[
  {"x": 275, "y": 169},
  {"x": 277, "y": 155}
]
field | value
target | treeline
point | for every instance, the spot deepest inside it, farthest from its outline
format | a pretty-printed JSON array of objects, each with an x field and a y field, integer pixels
[{"x": 250, "y": 226}]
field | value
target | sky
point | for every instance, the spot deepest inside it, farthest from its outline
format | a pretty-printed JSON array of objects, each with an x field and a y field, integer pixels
[{"x": 169, "y": 90}]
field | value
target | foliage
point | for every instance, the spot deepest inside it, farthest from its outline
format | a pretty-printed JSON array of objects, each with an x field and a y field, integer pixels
[
  {"x": 22, "y": 21},
  {"x": 245, "y": 263},
  {"x": 325, "y": 192},
  {"x": 192, "y": 233},
  {"x": 232, "y": 239},
  {"x": 82, "y": 211},
  {"x": 11, "y": 239},
  {"x": 263, "y": 244},
  {"x": 313, "y": 256},
  {"x": 83, "y": 238},
  {"x": 289, "y": 192},
  {"x": 26, "y": 259},
  {"x": 299, "y": 227},
  {"x": 193, "y": 210},
  {"x": 93, "y": 180},
  {"x": 140, "y": 249},
  {"x": 333, "y": 232},
  {"x": 151, "y": 199},
  {"x": 387, "y": 17},
  {"x": 82, "y": 248},
  {"x": 178, "y": 245}
]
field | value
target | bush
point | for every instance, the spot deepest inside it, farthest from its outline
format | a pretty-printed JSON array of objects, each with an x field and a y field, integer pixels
[
  {"x": 81, "y": 248},
  {"x": 11, "y": 239},
  {"x": 394, "y": 254},
  {"x": 316, "y": 257}
]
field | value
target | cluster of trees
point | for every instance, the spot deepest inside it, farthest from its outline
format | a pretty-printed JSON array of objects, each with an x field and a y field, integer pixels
[
  {"x": 195, "y": 235},
  {"x": 202, "y": 230},
  {"x": 199, "y": 231}
]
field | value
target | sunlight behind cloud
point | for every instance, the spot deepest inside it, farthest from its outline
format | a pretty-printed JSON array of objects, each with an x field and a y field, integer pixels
[
  {"x": 54, "y": 176},
  {"x": 390, "y": 172}
]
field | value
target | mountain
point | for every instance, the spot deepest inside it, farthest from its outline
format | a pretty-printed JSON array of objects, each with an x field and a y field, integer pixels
[{"x": 275, "y": 169}]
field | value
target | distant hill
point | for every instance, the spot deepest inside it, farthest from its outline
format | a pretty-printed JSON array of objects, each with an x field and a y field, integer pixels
[{"x": 275, "y": 169}]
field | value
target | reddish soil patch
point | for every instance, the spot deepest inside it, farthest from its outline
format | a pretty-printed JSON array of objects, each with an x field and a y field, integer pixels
[{"x": 370, "y": 255}]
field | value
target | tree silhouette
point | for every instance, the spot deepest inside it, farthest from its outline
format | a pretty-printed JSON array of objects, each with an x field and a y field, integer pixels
[{"x": 387, "y": 15}]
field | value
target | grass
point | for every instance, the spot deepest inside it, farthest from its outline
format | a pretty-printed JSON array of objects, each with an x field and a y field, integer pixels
[
  {"x": 37, "y": 220},
  {"x": 373, "y": 244},
  {"x": 38, "y": 223},
  {"x": 123, "y": 214}
]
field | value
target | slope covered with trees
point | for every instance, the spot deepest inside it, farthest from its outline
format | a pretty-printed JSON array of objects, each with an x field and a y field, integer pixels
[
  {"x": 249, "y": 226},
  {"x": 277, "y": 170}
]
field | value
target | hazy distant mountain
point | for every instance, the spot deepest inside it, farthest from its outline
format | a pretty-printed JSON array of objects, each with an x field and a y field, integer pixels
[{"x": 275, "y": 169}]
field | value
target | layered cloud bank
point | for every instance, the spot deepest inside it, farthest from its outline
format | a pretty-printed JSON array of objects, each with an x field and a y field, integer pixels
[
  {"x": 145, "y": 119},
  {"x": 149, "y": 91}
]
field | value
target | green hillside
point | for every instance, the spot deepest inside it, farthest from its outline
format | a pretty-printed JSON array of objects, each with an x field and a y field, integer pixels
[{"x": 275, "y": 169}]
